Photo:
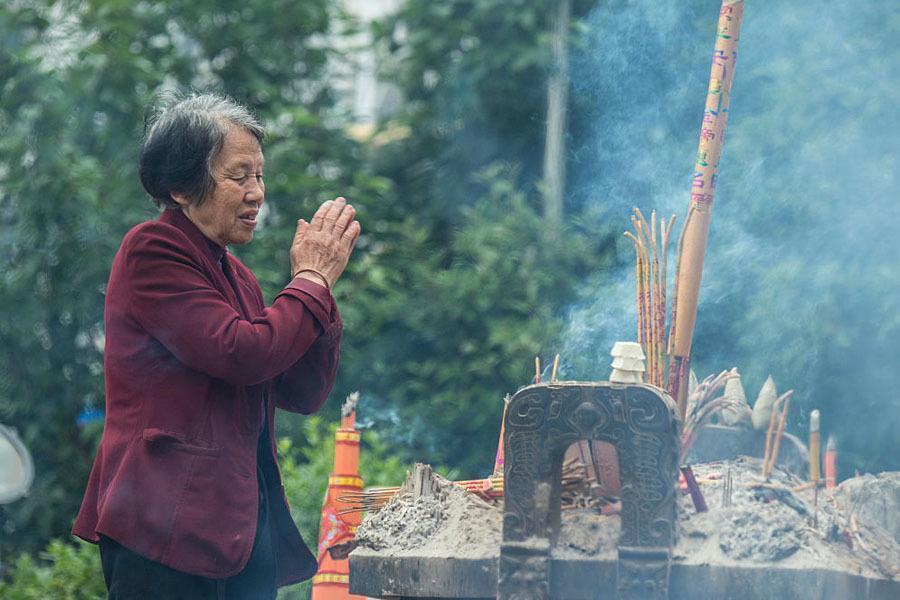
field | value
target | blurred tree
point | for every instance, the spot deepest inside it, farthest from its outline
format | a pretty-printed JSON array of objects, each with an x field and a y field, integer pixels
[
  {"x": 452, "y": 290},
  {"x": 452, "y": 315}
]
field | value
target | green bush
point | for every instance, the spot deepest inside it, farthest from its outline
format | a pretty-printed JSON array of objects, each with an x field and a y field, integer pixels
[{"x": 65, "y": 571}]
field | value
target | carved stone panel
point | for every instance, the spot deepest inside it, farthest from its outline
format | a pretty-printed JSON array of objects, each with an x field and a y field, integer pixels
[{"x": 541, "y": 422}]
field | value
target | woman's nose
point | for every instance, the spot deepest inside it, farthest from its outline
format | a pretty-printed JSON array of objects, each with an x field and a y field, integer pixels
[{"x": 257, "y": 191}]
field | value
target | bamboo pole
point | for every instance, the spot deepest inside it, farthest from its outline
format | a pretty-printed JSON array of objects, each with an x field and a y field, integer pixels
[{"x": 712, "y": 134}]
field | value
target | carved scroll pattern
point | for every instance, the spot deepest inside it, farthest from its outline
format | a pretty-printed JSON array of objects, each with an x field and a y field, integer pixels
[{"x": 542, "y": 421}]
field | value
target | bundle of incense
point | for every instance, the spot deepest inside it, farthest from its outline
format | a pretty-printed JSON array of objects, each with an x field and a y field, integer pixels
[
  {"x": 375, "y": 498},
  {"x": 650, "y": 289},
  {"x": 773, "y": 437},
  {"x": 490, "y": 488},
  {"x": 703, "y": 405},
  {"x": 703, "y": 186}
]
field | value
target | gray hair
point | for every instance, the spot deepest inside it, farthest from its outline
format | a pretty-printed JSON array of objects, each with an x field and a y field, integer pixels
[{"x": 183, "y": 135}]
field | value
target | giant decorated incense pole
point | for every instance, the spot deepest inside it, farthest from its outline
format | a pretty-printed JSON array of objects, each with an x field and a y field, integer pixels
[
  {"x": 332, "y": 579},
  {"x": 696, "y": 227}
]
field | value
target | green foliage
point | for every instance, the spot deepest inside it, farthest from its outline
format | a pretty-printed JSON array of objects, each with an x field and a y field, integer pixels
[
  {"x": 441, "y": 330},
  {"x": 64, "y": 571}
]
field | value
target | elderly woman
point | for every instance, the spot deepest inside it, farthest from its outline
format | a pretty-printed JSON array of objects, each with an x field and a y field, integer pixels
[{"x": 185, "y": 497}]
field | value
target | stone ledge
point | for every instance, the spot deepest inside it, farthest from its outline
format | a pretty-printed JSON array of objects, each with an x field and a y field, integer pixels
[{"x": 378, "y": 576}]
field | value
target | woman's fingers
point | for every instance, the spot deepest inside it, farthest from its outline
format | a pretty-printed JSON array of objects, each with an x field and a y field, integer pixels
[
  {"x": 302, "y": 227},
  {"x": 351, "y": 234},
  {"x": 334, "y": 212},
  {"x": 318, "y": 220},
  {"x": 340, "y": 227}
]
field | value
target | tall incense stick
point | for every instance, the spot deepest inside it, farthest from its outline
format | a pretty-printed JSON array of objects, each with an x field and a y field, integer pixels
[{"x": 712, "y": 137}]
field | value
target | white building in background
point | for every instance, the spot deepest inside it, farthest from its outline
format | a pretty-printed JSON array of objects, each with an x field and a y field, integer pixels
[{"x": 355, "y": 79}]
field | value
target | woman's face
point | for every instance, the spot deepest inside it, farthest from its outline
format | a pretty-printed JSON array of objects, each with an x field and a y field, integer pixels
[{"x": 228, "y": 215}]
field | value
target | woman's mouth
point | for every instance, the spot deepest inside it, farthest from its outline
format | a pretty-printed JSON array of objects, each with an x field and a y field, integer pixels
[{"x": 249, "y": 220}]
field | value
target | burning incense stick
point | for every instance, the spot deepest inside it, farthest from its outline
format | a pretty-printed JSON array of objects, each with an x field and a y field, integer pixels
[
  {"x": 814, "y": 462},
  {"x": 814, "y": 447},
  {"x": 712, "y": 133},
  {"x": 694, "y": 489},
  {"x": 727, "y": 489},
  {"x": 770, "y": 432},
  {"x": 555, "y": 368},
  {"x": 651, "y": 242},
  {"x": 654, "y": 301},
  {"x": 830, "y": 462},
  {"x": 772, "y": 455},
  {"x": 672, "y": 319},
  {"x": 537, "y": 369},
  {"x": 777, "y": 444}
]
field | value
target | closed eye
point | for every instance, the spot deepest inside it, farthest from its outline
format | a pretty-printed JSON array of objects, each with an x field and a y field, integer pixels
[{"x": 243, "y": 179}]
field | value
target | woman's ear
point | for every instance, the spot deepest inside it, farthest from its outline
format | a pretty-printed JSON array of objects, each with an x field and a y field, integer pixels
[{"x": 180, "y": 199}]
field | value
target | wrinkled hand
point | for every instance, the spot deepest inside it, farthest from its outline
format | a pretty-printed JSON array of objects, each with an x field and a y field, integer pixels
[{"x": 325, "y": 243}]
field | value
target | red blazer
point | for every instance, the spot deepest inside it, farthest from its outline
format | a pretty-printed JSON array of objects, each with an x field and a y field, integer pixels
[{"x": 188, "y": 364}]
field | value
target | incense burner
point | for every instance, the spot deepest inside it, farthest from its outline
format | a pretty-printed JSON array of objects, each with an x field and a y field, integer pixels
[{"x": 542, "y": 421}]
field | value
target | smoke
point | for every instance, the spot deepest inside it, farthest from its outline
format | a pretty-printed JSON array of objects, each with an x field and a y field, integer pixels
[{"x": 802, "y": 275}]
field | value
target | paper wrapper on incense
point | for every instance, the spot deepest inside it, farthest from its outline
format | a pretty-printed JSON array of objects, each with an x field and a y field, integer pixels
[{"x": 703, "y": 187}]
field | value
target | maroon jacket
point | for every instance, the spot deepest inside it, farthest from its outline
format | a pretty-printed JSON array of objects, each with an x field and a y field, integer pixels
[{"x": 188, "y": 366}]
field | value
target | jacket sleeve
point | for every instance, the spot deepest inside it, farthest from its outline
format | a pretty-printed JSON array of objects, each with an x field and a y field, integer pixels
[
  {"x": 305, "y": 386},
  {"x": 173, "y": 299}
]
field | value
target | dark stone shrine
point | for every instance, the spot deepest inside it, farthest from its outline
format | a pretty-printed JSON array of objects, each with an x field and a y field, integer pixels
[{"x": 542, "y": 421}]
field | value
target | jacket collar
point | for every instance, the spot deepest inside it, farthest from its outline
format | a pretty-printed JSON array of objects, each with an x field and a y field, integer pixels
[{"x": 174, "y": 216}]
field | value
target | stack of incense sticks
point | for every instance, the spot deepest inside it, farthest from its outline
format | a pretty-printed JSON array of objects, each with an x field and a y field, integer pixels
[
  {"x": 773, "y": 435},
  {"x": 373, "y": 499},
  {"x": 651, "y": 244},
  {"x": 692, "y": 245}
]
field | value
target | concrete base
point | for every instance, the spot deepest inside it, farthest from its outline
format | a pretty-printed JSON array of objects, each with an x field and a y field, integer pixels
[{"x": 377, "y": 576}]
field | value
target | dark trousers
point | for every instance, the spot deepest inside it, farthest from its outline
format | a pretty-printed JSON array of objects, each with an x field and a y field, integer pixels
[{"x": 130, "y": 576}]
